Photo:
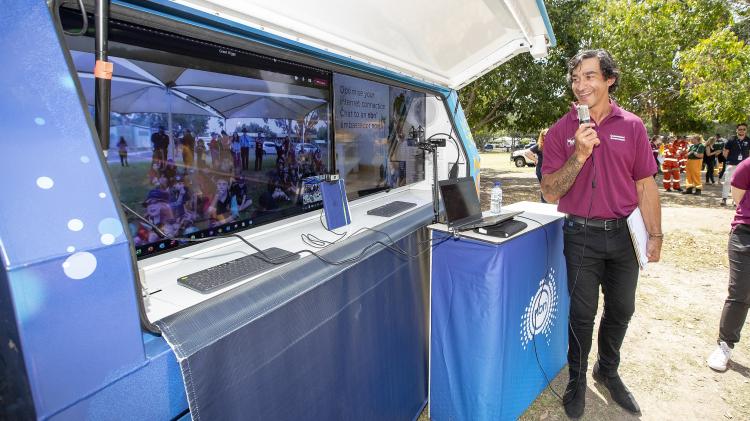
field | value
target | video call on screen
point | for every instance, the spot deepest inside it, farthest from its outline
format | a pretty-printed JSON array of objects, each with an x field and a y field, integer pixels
[{"x": 223, "y": 140}]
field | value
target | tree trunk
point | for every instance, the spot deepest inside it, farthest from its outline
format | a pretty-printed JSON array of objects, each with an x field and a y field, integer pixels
[{"x": 655, "y": 124}]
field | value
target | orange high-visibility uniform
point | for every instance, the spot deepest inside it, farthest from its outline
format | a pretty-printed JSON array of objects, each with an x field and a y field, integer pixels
[
  {"x": 682, "y": 150},
  {"x": 671, "y": 166}
]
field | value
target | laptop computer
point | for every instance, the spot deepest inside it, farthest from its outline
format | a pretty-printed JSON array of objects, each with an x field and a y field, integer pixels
[{"x": 462, "y": 208}]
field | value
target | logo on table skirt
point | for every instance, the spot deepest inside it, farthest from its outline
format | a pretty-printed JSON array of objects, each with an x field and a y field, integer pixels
[{"x": 539, "y": 316}]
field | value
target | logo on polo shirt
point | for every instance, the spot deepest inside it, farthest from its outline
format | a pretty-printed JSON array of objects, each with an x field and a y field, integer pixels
[
  {"x": 539, "y": 316},
  {"x": 617, "y": 137},
  {"x": 571, "y": 141}
]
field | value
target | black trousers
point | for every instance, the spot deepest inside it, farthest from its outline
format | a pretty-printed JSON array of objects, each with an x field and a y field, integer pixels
[
  {"x": 710, "y": 165},
  {"x": 598, "y": 259},
  {"x": 258, "y": 160},
  {"x": 738, "y": 301},
  {"x": 245, "y": 155}
]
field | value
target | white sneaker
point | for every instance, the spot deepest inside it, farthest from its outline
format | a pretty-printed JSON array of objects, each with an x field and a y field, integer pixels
[{"x": 720, "y": 357}]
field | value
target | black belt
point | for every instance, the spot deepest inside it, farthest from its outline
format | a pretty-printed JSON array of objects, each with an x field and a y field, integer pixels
[{"x": 605, "y": 224}]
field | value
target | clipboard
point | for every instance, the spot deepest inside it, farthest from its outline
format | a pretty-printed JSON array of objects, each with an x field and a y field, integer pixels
[{"x": 639, "y": 236}]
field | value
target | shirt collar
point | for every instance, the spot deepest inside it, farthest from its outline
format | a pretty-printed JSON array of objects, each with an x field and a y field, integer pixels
[{"x": 616, "y": 110}]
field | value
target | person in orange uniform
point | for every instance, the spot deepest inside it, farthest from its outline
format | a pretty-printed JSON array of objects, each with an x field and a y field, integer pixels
[
  {"x": 671, "y": 165},
  {"x": 682, "y": 154}
]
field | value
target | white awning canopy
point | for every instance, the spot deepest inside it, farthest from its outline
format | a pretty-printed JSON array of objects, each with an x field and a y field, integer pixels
[
  {"x": 139, "y": 86},
  {"x": 445, "y": 42}
]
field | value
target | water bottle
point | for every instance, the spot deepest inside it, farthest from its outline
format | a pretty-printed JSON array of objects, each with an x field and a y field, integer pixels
[{"x": 496, "y": 199}]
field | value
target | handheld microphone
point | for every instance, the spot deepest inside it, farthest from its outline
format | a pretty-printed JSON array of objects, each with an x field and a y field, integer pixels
[
  {"x": 583, "y": 114},
  {"x": 584, "y": 117}
]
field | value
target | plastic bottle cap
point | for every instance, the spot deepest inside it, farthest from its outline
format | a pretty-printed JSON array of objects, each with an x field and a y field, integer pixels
[{"x": 497, "y": 183}]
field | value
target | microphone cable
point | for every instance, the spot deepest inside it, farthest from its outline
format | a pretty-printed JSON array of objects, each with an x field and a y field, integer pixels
[
  {"x": 578, "y": 271},
  {"x": 533, "y": 338},
  {"x": 571, "y": 291}
]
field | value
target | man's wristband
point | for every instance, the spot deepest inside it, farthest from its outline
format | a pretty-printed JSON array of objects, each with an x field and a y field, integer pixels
[{"x": 657, "y": 235}]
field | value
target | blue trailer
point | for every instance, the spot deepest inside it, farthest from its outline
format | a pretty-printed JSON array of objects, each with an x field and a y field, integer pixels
[{"x": 90, "y": 300}]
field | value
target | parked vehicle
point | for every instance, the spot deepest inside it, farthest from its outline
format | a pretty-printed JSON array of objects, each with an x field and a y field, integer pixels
[
  {"x": 522, "y": 158},
  {"x": 269, "y": 148},
  {"x": 495, "y": 147},
  {"x": 306, "y": 148}
]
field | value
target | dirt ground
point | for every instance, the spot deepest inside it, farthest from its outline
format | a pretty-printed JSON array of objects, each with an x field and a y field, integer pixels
[{"x": 679, "y": 302}]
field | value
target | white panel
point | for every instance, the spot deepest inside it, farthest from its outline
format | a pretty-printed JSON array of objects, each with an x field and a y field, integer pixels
[{"x": 444, "y": 42}]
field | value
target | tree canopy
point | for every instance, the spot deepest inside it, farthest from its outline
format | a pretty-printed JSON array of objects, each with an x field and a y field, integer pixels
[{"x": 684, "y": 65}]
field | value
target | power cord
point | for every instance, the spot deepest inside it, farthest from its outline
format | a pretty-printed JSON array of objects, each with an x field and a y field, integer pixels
[
  {"x": 458, "y": 148},
  {"x": 314, "y": 241},
  {"x": 281, "y": 259},
  {"x": 57, "y": 4}
]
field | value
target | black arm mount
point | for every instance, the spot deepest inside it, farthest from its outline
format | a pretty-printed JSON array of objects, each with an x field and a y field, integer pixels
[{"x": 430, "y": 145}]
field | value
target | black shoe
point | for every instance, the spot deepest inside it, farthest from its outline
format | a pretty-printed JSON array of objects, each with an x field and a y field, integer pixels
[
  {"x": 574, "y": 399},
  {"x": 617, "y": 390},
  {"x": 688, "y": 191},
  {"x": 678, "y": 189},
  {"x": 698, "y": 192}
]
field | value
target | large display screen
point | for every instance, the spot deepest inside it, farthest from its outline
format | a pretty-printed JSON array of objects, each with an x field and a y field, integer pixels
[
  {"x": 373, "y": 121},
  {"x": 207, "y": 139}
]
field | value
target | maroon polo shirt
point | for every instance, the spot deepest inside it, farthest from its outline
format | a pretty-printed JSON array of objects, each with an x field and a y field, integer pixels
[
  {"x": 623, "y": 157},
  {"x": 741, "y": 180}
]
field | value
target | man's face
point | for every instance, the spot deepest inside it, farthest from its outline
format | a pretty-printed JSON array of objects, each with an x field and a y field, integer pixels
[
  {"x": 222, "y": 186},
  {"x": 588, "y": 83},
  {"x": 153, "y": 208},
  {"x": 741, "y": 130}
]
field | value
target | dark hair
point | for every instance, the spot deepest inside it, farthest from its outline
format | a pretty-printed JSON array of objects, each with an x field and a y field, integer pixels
[
  {"x": 607, "y": 65},
  {"x": 741, "y": 124}
]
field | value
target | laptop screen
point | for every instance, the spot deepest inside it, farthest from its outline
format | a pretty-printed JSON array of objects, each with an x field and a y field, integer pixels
[{"x": 460, "y": 198}]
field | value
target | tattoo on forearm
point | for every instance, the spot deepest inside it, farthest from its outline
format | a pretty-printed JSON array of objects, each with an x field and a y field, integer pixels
[{"x": 562, "y": 180}]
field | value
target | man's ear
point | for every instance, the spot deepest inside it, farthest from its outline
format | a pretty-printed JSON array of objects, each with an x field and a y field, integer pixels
[{"x": 610, "y": 81}]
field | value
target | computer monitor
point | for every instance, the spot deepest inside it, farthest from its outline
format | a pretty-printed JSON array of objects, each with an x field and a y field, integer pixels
[
  {"x": 207, "y": 139},
  {"x": 373, "y": 150}
]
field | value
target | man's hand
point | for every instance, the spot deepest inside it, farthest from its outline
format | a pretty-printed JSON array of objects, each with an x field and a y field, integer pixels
[
  {"x": 586, "y": 139},
  {"x": 653, "y": 248}
]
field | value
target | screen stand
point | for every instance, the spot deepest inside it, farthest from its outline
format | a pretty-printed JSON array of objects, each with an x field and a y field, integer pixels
[{"x": 431, "y": 147}]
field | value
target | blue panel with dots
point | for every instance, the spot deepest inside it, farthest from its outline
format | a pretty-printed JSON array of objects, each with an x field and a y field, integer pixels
[{"x": 62, "y": 240}]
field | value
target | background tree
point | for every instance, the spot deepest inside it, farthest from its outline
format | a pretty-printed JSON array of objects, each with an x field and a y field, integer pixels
[
  {"x": 661, "y": 45},
  {"x": 647, "y": 37},
  {"x": 526, "y": 95},
  {"x": 716, "y": 75}
]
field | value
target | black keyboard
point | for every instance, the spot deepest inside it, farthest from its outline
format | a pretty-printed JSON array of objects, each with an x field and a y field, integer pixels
[
  {"x": 225, "y": 274},
  {"x": 390, "y": 209}
]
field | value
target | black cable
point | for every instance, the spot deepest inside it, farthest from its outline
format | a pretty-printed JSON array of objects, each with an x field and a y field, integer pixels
[
  {"x": 533, "y": 338},
  {"x": 578, "y": 271},
  {"x": 572, "y": 290},
  {"x": 57, "y": 4},
  {"x": 313, "y": 241},
  {"x": 458, "y": 148},
  {"x": 281, "y": 259}
]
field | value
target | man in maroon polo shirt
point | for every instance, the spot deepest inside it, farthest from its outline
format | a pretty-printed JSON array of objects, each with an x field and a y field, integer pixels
[{"x": 600, "y": 172}]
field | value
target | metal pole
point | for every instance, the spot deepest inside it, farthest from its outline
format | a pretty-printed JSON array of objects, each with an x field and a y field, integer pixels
[
  {"x": 435, "y": 192},
  {"x": 103, "y": 86}
]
